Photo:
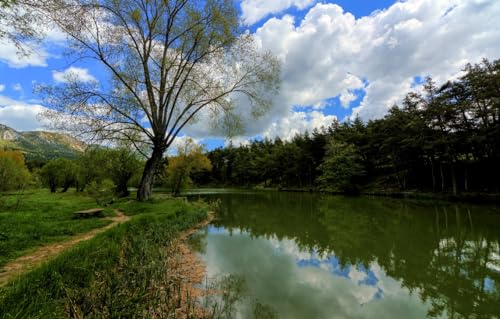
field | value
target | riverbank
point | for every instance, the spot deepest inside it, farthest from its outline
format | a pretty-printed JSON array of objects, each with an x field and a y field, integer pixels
[
  {"x": 190, "y": 272},
  {"x": 473, "y": 198},
  {"x": 123, "y": 272}
]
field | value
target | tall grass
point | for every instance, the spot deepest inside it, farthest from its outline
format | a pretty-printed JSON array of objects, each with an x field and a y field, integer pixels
[{"x": 119, "y": 274}]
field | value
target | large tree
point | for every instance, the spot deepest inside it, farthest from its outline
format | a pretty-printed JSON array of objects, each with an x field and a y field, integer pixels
[{"x": 168, "y": 61}]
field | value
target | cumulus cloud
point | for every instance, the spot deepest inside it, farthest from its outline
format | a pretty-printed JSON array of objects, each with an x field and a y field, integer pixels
[
  {"x": 33, "y": 53},
  {"x": 73, "y": 73},
  {"x": 20, "y": 115},
  {"x": 36, "y": 55},
  {"x": 298, "y": 122},
  {"x": 2, "y": 87},
  {"x": 180, "y": 142},
  {"x": 255, "y": 10},
  {"x": 330, "y": 53}
]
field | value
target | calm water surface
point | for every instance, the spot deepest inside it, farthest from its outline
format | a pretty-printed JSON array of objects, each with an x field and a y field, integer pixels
[{"x": 312, "y": 256}]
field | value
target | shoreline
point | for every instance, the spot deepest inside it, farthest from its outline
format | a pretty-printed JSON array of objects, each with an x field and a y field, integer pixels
[
  {"x": 473, "y": 198},
  {"x": 480, "y": 198},
  {"x": 189, "y": 271}
]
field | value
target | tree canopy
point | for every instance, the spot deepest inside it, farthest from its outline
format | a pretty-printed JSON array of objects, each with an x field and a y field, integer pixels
[{"x": 167, "y": 61}]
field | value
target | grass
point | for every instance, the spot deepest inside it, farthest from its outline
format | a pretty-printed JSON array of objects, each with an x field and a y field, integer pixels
[
  {"x": 121, "y": 273},
  {"x": 40, "y": 217},
  {"x": 156, "y": 205}
]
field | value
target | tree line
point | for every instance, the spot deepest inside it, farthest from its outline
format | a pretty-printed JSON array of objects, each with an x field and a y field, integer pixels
[
  {"x": 96, "y": 170},
  {"x": 100, "y": 171},
  {"x": 442, "y": 139}
]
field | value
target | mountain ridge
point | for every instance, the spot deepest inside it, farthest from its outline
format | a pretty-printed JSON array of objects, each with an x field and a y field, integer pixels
[{"x": 40, "y": 145}]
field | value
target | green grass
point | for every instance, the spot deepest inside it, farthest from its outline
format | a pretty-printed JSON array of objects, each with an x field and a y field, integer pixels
[
  {"x": 155, "y": 205},
  {"x": 118, "y": 274},
  {"x": 40, "y": 217}
]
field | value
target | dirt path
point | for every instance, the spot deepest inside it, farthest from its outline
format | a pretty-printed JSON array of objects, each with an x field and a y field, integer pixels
[{"x": 43, "y": 253}]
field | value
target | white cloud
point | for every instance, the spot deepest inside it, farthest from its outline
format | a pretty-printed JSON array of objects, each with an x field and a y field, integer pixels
[
  {"x": 331, "y": 53},
  {"x": 179, "y": 142},
  {"x": 73, "y": 73},
  {"x": 255, "y": 10},
  {"x": 2, "y": 87},
  {"x": 20, "y": 115},
  {"x": 34, "y": 52},
  {"x": 36, "y": 55},
  {"x": 298, "y": 122},
  {"x": 356, "y": 275}
]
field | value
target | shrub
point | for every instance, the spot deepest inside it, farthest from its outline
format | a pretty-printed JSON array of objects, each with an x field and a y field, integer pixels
[{"x": 13, "y": 172}]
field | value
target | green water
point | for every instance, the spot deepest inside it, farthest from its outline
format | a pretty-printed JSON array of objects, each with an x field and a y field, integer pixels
[{"x": 312, "y": 256}]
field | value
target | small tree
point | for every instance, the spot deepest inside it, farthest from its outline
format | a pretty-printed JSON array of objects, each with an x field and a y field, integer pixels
[
  {"x": 123, "y": 165},
  {"x": 341, "y": 168},
  {"x": 59, "y": 172},
  {"x": 13, "y": 172},
  {"x": 93, "y": 166},
  {"x": 117, "y": 165},
  {"x": 190, "y": 159},
  {"x": 103, "y": 192}
]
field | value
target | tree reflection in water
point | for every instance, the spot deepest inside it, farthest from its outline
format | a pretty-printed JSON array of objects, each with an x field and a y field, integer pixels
[{"x": 447, "y": 254}]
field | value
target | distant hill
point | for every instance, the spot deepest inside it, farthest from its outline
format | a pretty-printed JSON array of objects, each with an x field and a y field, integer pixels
[{"x": 40, "y": 145}]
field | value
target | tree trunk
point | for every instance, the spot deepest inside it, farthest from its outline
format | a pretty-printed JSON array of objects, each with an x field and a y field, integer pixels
[
  {"x": 66, "y": 186},
  {"x": 433, "y": 176},
  {"x": 466, "y": 181},
  {"x": 178, "y": 185},
  {"x": 442, "y": 176},
  {"x": 453, "y": 180},
  {"x": 146, "y": 185},
  {"x": 121, "y": 187}
]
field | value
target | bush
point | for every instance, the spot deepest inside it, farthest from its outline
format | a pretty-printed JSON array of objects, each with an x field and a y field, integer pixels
[
  {"x": 13, "y": 172},
  {"x": 102, "y": 192}
]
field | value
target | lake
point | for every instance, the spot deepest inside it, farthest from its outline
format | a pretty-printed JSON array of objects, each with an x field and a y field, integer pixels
[{"x": 304, "y": 255}]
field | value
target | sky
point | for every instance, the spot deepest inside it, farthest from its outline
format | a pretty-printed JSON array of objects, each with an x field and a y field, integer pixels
[{"x": 340, "y": 59}]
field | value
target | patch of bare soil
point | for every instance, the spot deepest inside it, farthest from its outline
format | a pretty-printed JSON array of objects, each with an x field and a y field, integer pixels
[
  {"x": 37, "y": 257},
  {"x": 189, "y": 272}
]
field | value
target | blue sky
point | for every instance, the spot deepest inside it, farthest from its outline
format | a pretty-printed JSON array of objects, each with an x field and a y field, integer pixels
[{"x": 340, "y": 58}]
